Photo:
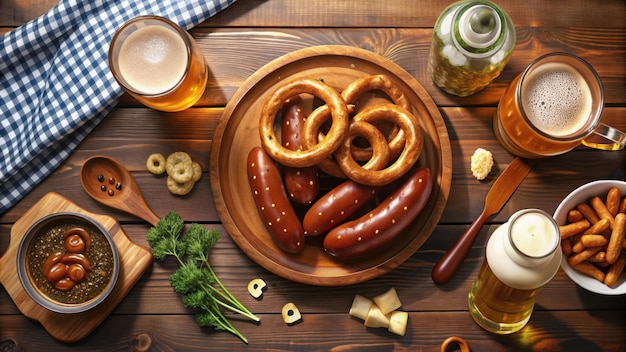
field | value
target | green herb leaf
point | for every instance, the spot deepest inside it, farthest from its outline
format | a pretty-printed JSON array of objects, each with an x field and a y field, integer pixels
[{"x": 194, "y": 279}]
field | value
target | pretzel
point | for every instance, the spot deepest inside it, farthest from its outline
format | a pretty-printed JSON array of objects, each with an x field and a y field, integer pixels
[
  {"x": 409, "y": 155},
  {"x": 311, "y": 134},
  {"x": 350, "y": 95},
  {"x": 314, "y": 154},
  {"x": 370, "y": 174},
  {"x": 384, "y": 84},
  {"x": 378, "y": 142}
]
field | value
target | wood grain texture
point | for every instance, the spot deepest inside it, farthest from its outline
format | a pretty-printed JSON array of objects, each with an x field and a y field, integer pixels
[
  {"x": 400, "y": 14},
  {"x": 426, "y": 331}
]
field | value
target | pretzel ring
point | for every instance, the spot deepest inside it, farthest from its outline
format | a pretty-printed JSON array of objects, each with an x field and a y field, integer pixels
[
  {"x": 375, "y": 82},
  {"x": 350, "y": 95},
  {"x": 409, "y": 155},
  {"x": 315, "y": 153},
  {"x": 311, "y": 135},
  {"x": 156, "y": 163},
  {"x": 182, "y": 172},
  {"x": 385, "y": 84},
  {"x": 179, "y": 188},
  {"x": 380, "y": 149},
  {"x": 463, "y": 345},
  {"x": 175, "y": 158}
]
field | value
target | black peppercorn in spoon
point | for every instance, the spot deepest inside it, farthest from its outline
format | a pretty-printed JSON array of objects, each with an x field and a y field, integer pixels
[{"x": 107, "y": 181}]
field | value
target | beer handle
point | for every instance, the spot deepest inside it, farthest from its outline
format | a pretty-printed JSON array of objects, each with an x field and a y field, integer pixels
[
  {"x": 617, "y": 137},
  {"x": 450, "y": 262}
]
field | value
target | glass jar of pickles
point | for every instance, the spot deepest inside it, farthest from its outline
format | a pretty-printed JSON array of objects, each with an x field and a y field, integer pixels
[{"x": 472, "y": 42}]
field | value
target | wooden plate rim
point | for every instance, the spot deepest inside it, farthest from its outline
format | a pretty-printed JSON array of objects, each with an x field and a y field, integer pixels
[{"x": 442, "y": 176}]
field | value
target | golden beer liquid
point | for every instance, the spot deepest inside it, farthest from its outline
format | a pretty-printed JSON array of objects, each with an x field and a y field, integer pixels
[
  {"x": 181, "y": 94},
  {"x": 497, "y": 307},
  {"x": 515, "y": 133}
]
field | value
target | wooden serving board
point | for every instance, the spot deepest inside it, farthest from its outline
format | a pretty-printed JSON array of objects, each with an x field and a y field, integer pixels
[
  {"x": 134, "y": 261},
  {"x": 238, "y": 132}
]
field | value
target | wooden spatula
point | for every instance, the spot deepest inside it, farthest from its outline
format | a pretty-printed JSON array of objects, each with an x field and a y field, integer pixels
[{"x": 498, "y": 195}]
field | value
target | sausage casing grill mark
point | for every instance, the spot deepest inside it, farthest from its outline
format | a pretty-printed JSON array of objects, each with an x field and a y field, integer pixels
[
  {"x": 302, "y": 183},
  {"x": 272, "y": 201},
  {"x": 337, "y": 205},
  {"x": 385, "y": 222}
]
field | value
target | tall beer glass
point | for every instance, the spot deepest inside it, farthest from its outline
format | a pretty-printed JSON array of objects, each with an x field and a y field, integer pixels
[
  {"x": 158, "y": 63},
  {"x": 552, "y": 107},
  {"x": 522, "y": 256}
]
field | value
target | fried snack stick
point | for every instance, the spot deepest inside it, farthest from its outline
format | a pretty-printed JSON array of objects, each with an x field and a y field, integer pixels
[
  {"x": 590, "y": 270},
  {"x": 582, "y": 255},
  {"x": 622, "y": 206},
  {"x": 574, "y": 215},
  {"x": 603, "y": 212},
  {"x": 616, "y": 241},
  {"x": 574, "y": 228},
  {"x": 588, "y": 212},
  {"x": 593, "y": 240},
  {"x": 566, "y": 246},
  {"x": 613, "y": 200},
  {"x": 598, "y": 228},
  {"x": 615, "y": 270}
]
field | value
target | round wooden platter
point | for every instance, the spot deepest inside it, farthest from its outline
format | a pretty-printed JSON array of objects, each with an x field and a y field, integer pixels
[
  {"x": 237, "y": 133},
  {"x": 134, "y": 261}
]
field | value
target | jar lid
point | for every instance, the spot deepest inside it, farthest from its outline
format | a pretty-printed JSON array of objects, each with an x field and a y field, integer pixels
[{"x": 479, "y": 27}]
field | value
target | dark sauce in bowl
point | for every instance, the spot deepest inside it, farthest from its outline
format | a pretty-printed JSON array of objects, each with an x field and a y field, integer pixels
[{"x": 45, "y": 238}]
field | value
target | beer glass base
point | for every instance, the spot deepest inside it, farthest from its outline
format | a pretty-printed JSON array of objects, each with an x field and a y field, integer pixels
[{"x": 489, "y": 324}]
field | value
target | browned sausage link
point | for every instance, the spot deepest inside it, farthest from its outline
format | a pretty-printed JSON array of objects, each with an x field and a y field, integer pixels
[
  {"x": 77, "y": 258},
  {"x": 57, "y": 272},
  {"x": 84, "y": 234},
  {"x": 302, "y": 183},
  {"x": 74, "y": 244},
  {"x": 272, "y": 201},
  {"x": 50, "y": 261},
  {"x": 336, "y": 206},
  {"x": 65, "y": 284},
  {"x": 385, "y": 222}
]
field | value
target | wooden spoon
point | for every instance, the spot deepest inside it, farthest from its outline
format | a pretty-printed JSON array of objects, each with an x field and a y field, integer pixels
[
  {"x": 110, "y": 183},
  {"x": 502, "y": 189}
]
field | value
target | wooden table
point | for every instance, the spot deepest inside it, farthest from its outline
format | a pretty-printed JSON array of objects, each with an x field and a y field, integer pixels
[{"x": 249, "y": 34}]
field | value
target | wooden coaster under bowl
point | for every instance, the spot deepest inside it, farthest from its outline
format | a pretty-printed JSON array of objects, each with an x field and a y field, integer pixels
[{"x": 134, "y": 261}]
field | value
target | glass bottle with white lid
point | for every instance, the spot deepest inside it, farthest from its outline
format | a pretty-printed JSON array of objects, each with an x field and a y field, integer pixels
[
  {"x": 522, "y": 256},
  {"x": 472, "y": 42}
]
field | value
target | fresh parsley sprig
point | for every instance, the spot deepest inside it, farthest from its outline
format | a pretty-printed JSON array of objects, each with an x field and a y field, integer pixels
[{"x": 195, "y": 279}]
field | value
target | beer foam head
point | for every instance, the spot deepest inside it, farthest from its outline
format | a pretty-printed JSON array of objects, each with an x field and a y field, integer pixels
[
  {"x": 557, "y": 100},
  {"x": 153, "y": 59}
]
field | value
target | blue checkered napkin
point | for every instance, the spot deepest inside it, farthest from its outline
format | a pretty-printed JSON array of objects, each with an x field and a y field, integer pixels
[{"x": 55, "y": 83}]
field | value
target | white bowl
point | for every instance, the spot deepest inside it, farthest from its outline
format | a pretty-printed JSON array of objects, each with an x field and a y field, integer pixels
[{"x": 583, "y": 194}]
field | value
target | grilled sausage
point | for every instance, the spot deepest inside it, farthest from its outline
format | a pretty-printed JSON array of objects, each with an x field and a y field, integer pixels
[
  {"x": 336, "y": 206},
  {"x": 302, "y": 183},
  {"x": 272, "y": 201},
  {"x": 385, "y": 222}
]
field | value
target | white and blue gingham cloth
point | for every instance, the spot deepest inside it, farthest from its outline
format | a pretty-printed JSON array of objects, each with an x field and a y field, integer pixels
[{"x": 56, "y": 86}]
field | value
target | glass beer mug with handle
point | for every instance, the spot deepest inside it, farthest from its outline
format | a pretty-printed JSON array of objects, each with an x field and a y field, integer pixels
[{"x": 552, "y": 107}]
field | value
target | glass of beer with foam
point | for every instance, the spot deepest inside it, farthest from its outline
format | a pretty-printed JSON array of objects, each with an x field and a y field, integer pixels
[
  {"x": 158, "y": 63},
  {"x": 552, "y": 107}
]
